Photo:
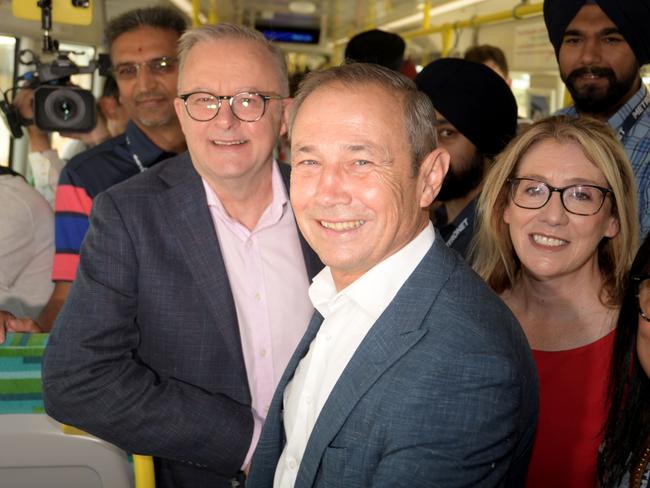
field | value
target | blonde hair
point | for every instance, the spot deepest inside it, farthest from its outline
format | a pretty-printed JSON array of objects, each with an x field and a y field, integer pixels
[
  {"x": 492, "y": 253},
  {"x": 217, "y": 32}
]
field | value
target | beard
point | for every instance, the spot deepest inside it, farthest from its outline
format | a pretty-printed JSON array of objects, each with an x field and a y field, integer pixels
[
  {"x": 156, "y": 116},
  {"x": 592, "y": 100},
  {"x": 459, "y": 182}
]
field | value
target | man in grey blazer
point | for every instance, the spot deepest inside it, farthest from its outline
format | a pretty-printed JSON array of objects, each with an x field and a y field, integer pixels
[
  {"x": 191, "y": 293},
  {"x": 412, "y": 372}
]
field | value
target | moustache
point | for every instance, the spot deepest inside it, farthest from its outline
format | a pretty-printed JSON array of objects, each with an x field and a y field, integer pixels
[
  {"x": 592, "y": 70},
  {"x": 144, "y": 96}
]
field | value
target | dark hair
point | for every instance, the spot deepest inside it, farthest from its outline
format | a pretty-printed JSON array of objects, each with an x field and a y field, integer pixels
[
  {"x": 110, "y": 88},
  {"x": 159, "y": 17},
  {"x": 628, "y": 424},
  {"x": 5, "y": 170},
  {"x": 486, "y": 52}
]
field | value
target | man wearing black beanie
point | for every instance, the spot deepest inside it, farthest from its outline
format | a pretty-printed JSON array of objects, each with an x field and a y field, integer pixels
[
  {"x": 600, "y": 46},
  {"x": 476, "y": 116}
]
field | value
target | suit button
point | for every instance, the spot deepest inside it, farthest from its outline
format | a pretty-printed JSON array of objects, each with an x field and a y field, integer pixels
[{"x": 292, "y": 464}]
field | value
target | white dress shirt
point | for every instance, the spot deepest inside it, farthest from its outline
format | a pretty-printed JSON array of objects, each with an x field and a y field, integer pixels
[{"x": 348, "y": 316}]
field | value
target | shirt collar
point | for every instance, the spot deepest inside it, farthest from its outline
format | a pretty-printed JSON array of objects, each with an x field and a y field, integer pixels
[
  {"x": 375, "y": 289},
  {"x": 619, "y": 117},
  {"x": 141, "y": 146},
  {"x": 273, "y": 212}
]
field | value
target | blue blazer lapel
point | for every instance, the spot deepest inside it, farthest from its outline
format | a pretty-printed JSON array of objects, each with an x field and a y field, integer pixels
[
  {"x": 395, "y": 332},
  {"x": 185, "y": 210}
]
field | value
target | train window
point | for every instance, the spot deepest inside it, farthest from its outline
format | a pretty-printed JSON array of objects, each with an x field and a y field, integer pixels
[{"x": 7, "y": 50}]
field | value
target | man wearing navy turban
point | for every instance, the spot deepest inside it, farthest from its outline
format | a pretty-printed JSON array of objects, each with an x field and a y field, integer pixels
[{"x": 600, "y": 46}]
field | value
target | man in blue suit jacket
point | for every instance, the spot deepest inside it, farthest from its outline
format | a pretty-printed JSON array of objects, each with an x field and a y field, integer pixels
[
  {"x": 412, "y": 372},
  {"x": 172, "y": 340}
]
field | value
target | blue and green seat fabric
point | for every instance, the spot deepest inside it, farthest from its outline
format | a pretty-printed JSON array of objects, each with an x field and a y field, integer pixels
[{"x": 21, "y": 387}]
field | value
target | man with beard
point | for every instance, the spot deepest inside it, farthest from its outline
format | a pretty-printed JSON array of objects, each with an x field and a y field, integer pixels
[
  {"x": 142, "y": 46},
  {"x": 476, "y": 116},
  {"x": 600, "y": 46}
]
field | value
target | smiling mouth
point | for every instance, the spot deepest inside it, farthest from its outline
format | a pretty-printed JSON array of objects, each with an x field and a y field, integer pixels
[
  {"x": 341, "y": 226},
  {"x": 228, "y": 143},
  {"x": 549, "y": 241}
]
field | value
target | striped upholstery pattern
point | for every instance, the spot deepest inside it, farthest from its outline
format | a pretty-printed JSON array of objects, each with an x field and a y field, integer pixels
[{"x": 20, "y": 373}]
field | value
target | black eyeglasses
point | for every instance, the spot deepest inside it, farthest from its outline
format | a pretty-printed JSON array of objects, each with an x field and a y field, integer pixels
[
  {"x": 157, "y": 67},
  {"x": 576, "y": 199},
  {"x": 246, "y": 106},
  {"x": 642, "y": 284}
]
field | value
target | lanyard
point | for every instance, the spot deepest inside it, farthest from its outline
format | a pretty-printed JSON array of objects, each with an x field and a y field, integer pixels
[
  {"x": 136, "y": 159},
  {"x": 633, "y": 116}
]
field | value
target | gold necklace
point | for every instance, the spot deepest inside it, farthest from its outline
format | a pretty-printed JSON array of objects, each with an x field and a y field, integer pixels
[{"x": 637, "y": 472}]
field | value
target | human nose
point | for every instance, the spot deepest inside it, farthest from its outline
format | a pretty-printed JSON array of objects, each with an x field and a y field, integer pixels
[
  {"x": 590, "y": 53},
  {"x": 225, "y": 118},
  {"x": 145, "y": 79},
  {"x": 332, "y": 188},
  {"x": 553, "y": 212}
]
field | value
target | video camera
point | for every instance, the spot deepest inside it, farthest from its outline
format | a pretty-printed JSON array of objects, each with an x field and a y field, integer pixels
[{"x": 57, "y": 105}]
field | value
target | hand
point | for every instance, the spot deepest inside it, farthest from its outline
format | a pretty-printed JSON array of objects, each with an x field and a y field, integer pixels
[
  {"x": 9, "y": 323},
  {"x": 23, "y": 101}
]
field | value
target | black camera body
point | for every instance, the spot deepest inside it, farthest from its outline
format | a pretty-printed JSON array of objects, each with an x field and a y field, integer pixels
[
  {"x": 64, "y": 109},
  {"x": 57, "y": 105}
]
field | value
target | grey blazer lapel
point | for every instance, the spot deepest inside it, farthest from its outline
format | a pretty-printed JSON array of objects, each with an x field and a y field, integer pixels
[
  {"x": 395, "y": 332},
  {"x": 184, "y": 208}
]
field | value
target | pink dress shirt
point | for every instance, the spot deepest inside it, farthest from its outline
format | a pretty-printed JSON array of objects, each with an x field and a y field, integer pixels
[{"x": 269, "y": 283}]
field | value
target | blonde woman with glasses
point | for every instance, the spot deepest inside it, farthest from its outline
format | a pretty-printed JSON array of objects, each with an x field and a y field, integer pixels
[{"x": 558, "y": 231}]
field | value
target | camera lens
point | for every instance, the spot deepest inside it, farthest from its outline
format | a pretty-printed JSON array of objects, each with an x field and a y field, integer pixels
[{"x": 65, "y": 107}]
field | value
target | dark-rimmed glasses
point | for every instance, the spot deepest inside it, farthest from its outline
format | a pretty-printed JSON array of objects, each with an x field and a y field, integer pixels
[
  {"x": 246, "y": 106},
  {"x": 157, "y": 67},
  {"x": 576, "y": 199},
  {"x": 642, "y": 285}
]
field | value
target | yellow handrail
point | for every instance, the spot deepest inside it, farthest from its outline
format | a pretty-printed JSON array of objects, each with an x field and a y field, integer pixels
[
  {"x": 142, "y": 465},
  {"x": 143, "y": 469},
  {"x": 521, "y": 10}
]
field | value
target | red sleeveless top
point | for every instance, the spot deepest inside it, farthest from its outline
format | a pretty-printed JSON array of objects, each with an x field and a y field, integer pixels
[{"x": 573, "y": 409}]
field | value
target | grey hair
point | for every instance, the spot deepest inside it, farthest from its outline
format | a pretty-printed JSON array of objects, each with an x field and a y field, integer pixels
[
  {"x": 216, "y": 32},
  {"x": 417, "y": 108},
  {"x": 164, "y": 18}
]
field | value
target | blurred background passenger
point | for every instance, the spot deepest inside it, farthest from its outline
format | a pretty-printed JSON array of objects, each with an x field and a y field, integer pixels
[
  {"x": 626, "y": 449},
  {"x": 492, "y": 57},
  {"x": 557, "y": 233},
  {"x": 476, "y": 117},
  {"x": 378, "y": 47},
  {"x": 26, "y": 250}
]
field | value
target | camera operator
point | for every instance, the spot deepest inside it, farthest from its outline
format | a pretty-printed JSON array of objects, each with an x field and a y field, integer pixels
[
  {"x": 44, "y": 161},
  {"x": 143, "y": 55}
]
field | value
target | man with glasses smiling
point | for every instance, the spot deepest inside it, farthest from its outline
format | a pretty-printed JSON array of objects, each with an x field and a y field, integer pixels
[
  {"x": 142, "y": 46},
  {"x": 192, "y": 288}
]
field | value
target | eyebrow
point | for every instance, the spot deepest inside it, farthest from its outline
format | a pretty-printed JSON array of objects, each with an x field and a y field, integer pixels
[
  {"x": 383, "y": 152},
  {"x": 569, "y": 182},
  {"x": 604, "y": 32}
]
